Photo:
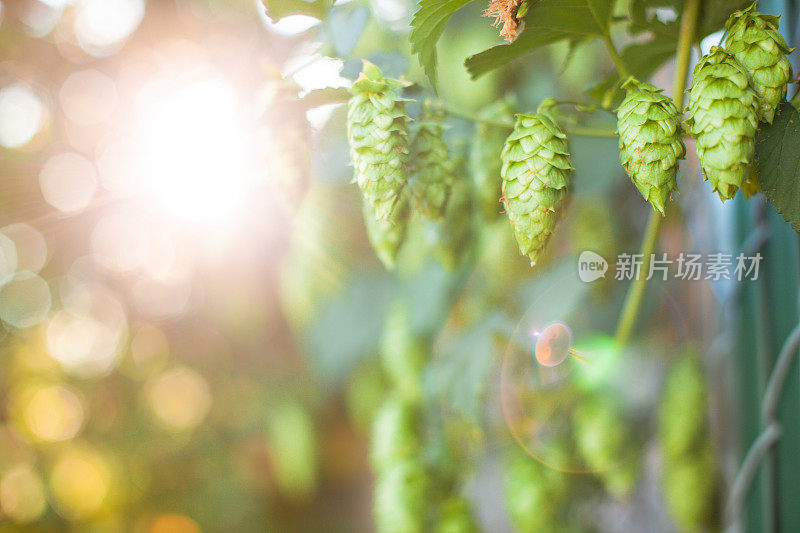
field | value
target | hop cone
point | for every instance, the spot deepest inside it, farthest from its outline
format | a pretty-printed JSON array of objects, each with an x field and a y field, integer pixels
[
  {"x": 723, "y": 118},
  {"x": 533, "y": 493},
  {"x": 433, "y": 169},
  {"x": 401, "y": 354},
  {"x": 386, "y": 234},
  {"x": 754, "y": 40},
  {"x": 377, "y": 129},
  {"x": 451, "y": 236},
  {"x": 394, "y": 434},
  {"x": 683, "y": 408},
  {"x": 456, "y": 517},
  {"x": 603, "y": 442},
  {"x": 400, "y": 498},
  {"x": 484, "y": 159},
  {"x": 690, "y": 473},
  {"x": 650, "y": 141},
  {"x": 536, "y": 178}
]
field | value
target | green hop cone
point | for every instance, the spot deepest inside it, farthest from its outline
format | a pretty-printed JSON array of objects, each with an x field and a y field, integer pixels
[
  {"x": 649, "y": 128},
  {"x": 484, "y": 158},
  {"x": 451, "y": 236},
  {"x": 754, "y": 40},
  {"x": 690, "y": 488},
  {"x": 433, "y": 168},
  {"x": 400, "y": 498},
  {"x": 377, "y": 130},
  {"x": 394, "y": 434},
  {"x": 402, "y": 354},
  {"x": 293, "y": 450},
  {"x": 533, "y": 493},
  {"x": 536, "y": 173},
  {"x": 604, "y": 443},
  {"x": 723, "y": 118},
  {"x": 387, "y": 234},
  {"x": 682, "y": 413},
  {"x": 456, "y": 517}
]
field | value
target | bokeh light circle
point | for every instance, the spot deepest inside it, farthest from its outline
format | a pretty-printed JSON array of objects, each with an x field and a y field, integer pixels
[
  {"x": 80, "y": 481},
  {"x": 25, "y": 300},
  {"x": 21, "y": 115},
  {"x": 68, "y": 182},
  {"x": 565, "y": 387},
  {"x": 22, "y": 494},
  {"x": 88, "y": 97},
  {"x": 179, "y": 398},
  {"x": 30, "y": 245}
]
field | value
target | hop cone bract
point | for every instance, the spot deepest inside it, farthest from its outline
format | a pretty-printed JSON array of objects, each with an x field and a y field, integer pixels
[
  {"x": 386, "y": 234},
  {"x": 377, "y": 129},
  {"x": 650, "y": 142},
  {"x": 754, "y": 40},
  {"x": 723, "y": 118},
  {"x": 536, "y": 175},
  {"x": 433, "y": 169}
]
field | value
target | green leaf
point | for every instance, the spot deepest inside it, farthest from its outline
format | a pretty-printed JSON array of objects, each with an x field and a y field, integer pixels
[
  {"x": 778, "y": 164},
  {"x": 277, "y": 9},
  {"x": 427, "y": 26},
  {"x": 546, "y": 22}
]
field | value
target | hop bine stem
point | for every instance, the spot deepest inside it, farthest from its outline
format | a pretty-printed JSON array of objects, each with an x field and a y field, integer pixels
[{"x": 633, "y": 300}]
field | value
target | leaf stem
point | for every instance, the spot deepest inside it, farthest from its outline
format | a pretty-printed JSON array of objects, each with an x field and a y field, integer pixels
[
  {"x": 633, "y": 300},
  {"x": 615, "y": 57}
]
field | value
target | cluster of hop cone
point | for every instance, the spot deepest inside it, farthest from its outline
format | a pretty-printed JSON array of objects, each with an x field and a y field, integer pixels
[{"x": 733, "y": 89}]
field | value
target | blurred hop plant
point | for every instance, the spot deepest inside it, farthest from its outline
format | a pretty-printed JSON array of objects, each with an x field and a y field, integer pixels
[
  {"x": 690, "y": 474},
  {"x": 402, "y": 355},
  {"x": 401, "y": 498},
  {"x": 604, "y": 443},
  {"x": 292, "y": 446},
  {"x": 452, "y": 236},
  {"x": 723, "y": 117},
  {"x": 394, "y": 434},
  {"x": 456, "y": 517},
  {"x": 377, "y": 129},
  {"x": 537, "y": 173},
  {"x": 387, "y": 234},
  {"x": 649, "y": 128},
  {"x": 534, "y": 493},
  {"x": 433, "y": 167},
  {"x": 484, "y": 160},
  {"x": 754, "y": 40}
]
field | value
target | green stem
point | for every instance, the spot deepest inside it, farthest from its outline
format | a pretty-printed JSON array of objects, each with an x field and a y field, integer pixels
[
  {"x": 574, "y": 130},
  {"x": 615, "y": 57},
  {"x": 633, "y": 300}
]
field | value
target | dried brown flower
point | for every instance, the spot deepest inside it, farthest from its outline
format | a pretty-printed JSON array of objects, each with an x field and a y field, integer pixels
[{"x": 505, "y": 13}]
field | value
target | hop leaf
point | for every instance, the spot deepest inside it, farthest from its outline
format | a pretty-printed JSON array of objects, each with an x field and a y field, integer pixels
[
  {"x": 484, "y": 159},
  {"x": 754, "y": 40},
  {"x": 650, "y": 142},
  {"x": 433, "y": 169},
  {"x": 377, "y": 129},
  {"x": 536, "y": 172},
  {"x": 387, "y": 234},
  {"x": 723, "y": 117}
]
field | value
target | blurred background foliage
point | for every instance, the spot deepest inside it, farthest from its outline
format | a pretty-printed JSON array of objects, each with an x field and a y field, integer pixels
[{"x": 192, "y": 312}]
